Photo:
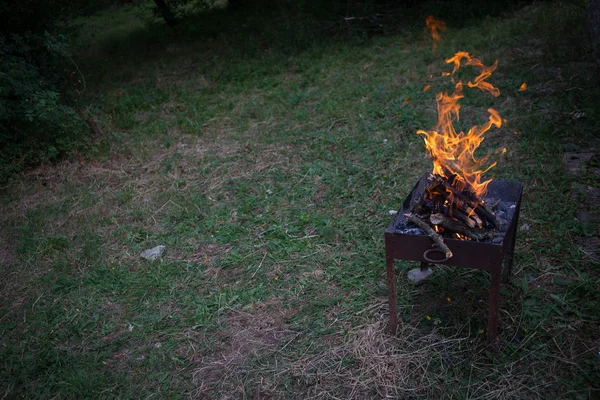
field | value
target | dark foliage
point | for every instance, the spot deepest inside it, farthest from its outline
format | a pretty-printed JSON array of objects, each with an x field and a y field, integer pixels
[
  {"x": 37, "y": 124},
  {"x": 39, "y": 84}
]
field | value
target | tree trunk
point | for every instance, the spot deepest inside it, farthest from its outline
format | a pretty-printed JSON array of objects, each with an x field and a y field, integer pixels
[
  {"x": 594, "y": 28},
  {"x": 166, "y": 12}
]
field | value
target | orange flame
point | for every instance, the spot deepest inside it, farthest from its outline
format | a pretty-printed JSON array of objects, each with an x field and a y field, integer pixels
[
  {"x": 454, "y": 152},
  {"x": 435, "y": 26}
]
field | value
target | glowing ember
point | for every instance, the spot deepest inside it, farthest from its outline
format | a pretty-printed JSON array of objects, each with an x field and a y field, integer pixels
[
  {"x": 523, "y": 87},
  {"x": 435, "y": 26},
  {"x": 454, "y": 152}
]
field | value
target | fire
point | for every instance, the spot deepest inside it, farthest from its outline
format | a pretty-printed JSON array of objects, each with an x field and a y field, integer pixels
[
  {"x": 435, "y": 26},
  {"x": 454, "y": 152},
  {"x": 462, "y": 237}
]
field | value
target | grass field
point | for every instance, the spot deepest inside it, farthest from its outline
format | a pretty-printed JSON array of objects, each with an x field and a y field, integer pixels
[{"x": 267, "y": 164}]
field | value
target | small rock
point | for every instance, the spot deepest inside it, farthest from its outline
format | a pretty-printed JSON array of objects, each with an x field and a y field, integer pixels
[
  {"x": 417, "y": 276},
  {"x": 524, "y": 227},
  {"x": 153, "y": 253},
  {"x": 385, "y": 141},
  {"x": 392, "y": 212}
]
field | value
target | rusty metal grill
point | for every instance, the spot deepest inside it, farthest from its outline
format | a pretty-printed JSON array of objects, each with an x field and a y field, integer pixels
[{"x": 495, "y": 258}]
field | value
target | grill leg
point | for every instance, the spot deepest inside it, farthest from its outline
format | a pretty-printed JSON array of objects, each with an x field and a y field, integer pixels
[
  {"x": 511, "y": 247},
  {"x": 506, "y": 271},
  {"x": 494, "y": 304},
  {"x": 391, "y": 280}
]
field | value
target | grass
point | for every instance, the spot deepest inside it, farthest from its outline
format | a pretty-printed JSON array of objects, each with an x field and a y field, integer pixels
[{"x": 267, "y": 167}]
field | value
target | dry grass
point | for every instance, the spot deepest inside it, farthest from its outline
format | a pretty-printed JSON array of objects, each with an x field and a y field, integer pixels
[
  {"x": 152, "y": 192},
  {"x": 368, "y": 362}
]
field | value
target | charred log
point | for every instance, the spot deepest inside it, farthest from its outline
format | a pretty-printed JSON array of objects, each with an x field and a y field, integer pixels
[
  {"x": 488, "y": 216},
  {"x": 453, "y": 213},
  {"x": 453, "y": 225}
]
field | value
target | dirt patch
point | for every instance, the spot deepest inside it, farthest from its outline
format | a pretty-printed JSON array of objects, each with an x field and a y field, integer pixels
[
  {"x": 222, "y": 275},
  {"x": 144, "y": 177},
  {"x": 208, "y": 254},
  {"x": 6, "y": 256},
  {"x": 114, "y": 310},
  {"x": 130, "y": 191},
  {"x": 118, "y": 361},
  {"x": 246, "y": 335},
  {"x": 112, "y": 336},
  {"x": 574, "y": 161}
]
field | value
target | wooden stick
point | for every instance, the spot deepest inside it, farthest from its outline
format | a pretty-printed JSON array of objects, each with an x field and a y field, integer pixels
[
  {"x": 487, "y": 215},
  {"x": 473, "y": 215},
  {"x": 453, "y": 225},
  {"x": 437, "y": 239},
  {"x": 456, "y": 214},
  {"x": 496, "y": 221},
  {"x": 468, "y": 211}
]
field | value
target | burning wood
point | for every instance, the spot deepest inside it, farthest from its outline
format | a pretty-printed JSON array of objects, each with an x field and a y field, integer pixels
[
  {"x": 450, "y": 210},
  {"x": 452, "y": 200}
]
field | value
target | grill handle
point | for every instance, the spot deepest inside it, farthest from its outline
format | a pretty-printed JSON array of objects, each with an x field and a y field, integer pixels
[{"x": 438, "y": 260}]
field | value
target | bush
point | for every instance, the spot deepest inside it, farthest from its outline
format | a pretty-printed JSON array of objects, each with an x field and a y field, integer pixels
[
  {"x": 36, "y": 124},
  {"x": 38, "y": 84}
]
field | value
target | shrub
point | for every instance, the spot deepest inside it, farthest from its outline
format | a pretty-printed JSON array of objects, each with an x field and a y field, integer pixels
[{"x": 36, "y": 123}]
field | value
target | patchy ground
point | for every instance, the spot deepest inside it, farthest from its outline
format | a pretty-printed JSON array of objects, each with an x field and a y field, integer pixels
[{"x": 268, "y": 175}]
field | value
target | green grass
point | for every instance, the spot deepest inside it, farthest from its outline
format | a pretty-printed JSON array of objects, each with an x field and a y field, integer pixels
[{"x": 268, "y": 168}]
